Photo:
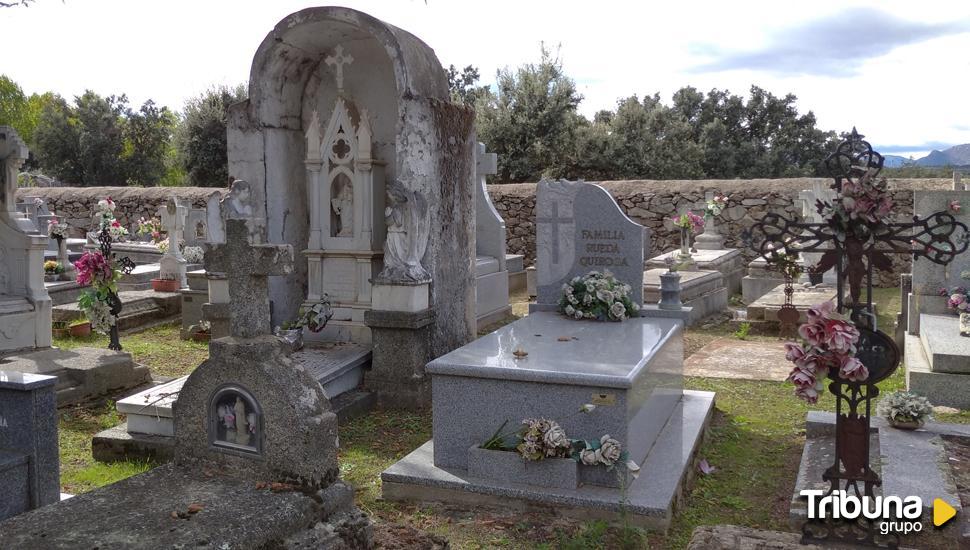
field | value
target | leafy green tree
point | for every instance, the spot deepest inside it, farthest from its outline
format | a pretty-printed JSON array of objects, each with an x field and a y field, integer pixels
[
  {"x": 531, "y": 121},
  {"x": 101, "y": 138},
  {"x": 147, "y": 135},
  {"x": 463, "y": 85},
  {"x": 201, "y": 137},
  {"x": 57, "y": 141}
]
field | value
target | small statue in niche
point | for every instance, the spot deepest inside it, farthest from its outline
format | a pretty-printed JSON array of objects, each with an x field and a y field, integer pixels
[
  {"x": 343, "y": 206},
  {"x": 238, "y": 205},
  {"x": 408, "y": 228},
  {"x": 242, "y": 430}
]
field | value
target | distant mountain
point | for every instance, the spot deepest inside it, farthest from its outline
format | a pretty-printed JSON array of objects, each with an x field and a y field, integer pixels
[
  {"x": 895, "y": 161},
  {"x": 958, "y": 155}
]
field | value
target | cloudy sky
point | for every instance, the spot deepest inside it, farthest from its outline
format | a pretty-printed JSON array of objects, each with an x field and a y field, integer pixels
[{"x": 898, "y": 70}]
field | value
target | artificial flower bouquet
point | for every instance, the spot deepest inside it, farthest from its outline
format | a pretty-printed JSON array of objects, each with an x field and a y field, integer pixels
[
  {"x": 597, "y": 295},
  {"x": 829, "y": 345},
  {"x": 541, "y": 438}
]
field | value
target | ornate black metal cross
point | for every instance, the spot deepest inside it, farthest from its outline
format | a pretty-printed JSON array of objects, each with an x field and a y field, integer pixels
[
  {"x": 126, "y": 266},
  {"x": 854, "y": 245}
]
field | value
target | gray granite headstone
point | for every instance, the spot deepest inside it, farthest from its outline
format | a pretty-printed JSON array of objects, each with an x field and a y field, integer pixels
[
  {"x": 580, "y": 228},
  {"x": 928, "y": 277},
  {"x": 29, "y": 462}
]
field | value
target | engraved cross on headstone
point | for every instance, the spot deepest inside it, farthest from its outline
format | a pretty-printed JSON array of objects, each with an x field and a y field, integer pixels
[
  {"x": 554, "y": 220},
  {"x": 338, "y": 60},
  {"x": 247, "y": 268}
]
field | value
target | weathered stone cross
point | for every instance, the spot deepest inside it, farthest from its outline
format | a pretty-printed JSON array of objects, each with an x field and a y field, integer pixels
[
  {"x": 486, "y": 164},
  {"x": 173, "y": 216},
  {"x": 247, "y": 268},
  {"x": 555, "y": 220},
  {"x": 338, "y": 60}
]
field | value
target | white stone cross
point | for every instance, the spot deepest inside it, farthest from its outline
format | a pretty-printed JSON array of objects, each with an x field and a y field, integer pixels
[
  {"x": 338, "y": 60},
  {"x": 486, "y": 164},
  {"x": 173, "y": 216}
]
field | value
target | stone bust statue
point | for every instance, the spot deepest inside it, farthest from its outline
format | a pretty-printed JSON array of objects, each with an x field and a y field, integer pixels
[
  {"x": 239, "y": 204},
  {"x": 408, "y": 229}
]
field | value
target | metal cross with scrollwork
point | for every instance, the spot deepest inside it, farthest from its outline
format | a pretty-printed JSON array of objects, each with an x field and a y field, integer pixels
[
  {"x": 854, "y": 247},
  {"x": 126, "y": 266}
]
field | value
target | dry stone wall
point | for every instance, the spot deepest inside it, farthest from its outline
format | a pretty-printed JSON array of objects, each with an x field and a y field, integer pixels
[
  {"x": 652, "y": 203},
  {"x": 76, "y": 205},
  {"x": 648, "y": 202}
]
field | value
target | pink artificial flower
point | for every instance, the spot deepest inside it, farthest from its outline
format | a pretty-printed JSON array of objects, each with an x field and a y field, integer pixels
[
  {"x": 793, "y": 352},
  {"x": 840, "y": 336},
  {"x": 955, "y": 205},
  {"x": 92, "y": 267},
  {"x": 820, "y": 311},
  {"x": 813, "y": 333},
  {"x": 885, "y": 207},
  {"x": 810, "y": 395},
  {"x": 853, "y": 370},
  {"x": 801, "y": 378}
]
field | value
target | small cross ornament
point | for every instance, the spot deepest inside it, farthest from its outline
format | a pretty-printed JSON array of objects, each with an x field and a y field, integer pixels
[{"x": 338, "y": 60}]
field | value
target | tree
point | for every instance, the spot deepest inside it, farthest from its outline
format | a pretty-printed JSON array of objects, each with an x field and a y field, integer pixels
[
  {"x": 532, "y": 121},
  {"x": 57, "y": 141},
  {"x": 101, "y": 138},
  {"x": 147, "y": 134},
  {"x": 201, "y": 137},
  {"x": 463, "y": 85}
]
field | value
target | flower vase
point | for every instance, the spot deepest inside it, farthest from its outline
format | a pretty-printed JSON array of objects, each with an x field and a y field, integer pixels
[
  {"x": 964, "y": 324},
  {"x": 907, "y": 424},
  {"x": 684, "y": 242}
]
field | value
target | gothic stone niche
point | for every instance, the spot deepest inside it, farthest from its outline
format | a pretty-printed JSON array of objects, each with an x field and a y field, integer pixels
[
  {"x": 346, "y": 191},
  {"x": 235, "y": 421}
]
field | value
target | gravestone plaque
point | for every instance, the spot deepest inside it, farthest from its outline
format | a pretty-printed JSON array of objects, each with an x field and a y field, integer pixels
[
  {"x": 928, "y": 277},
  {"x": 580, "y": 228}
]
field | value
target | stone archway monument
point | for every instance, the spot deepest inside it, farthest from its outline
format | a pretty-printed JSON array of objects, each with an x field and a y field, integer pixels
[{"x": 341, "y": 106}]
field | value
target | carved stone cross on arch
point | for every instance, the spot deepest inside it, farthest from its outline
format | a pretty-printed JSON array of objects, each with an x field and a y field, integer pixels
[{"x": 338, "y": 60}]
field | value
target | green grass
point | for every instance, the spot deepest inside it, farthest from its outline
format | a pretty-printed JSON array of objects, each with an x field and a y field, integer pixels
[
  {"x": 755, "y": 444},
  {"x": 159, "y": 348}
]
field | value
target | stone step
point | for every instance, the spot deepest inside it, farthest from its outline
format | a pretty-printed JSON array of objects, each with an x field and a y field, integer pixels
[{"x": 140, "y": 308}]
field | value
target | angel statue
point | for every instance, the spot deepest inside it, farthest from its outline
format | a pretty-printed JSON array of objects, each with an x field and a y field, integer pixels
[{"x": 408, "y": 228}]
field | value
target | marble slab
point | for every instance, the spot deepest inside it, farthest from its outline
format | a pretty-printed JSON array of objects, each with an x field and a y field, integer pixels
[
  {"x": 580, "y": 228},
  {"x": 630, "y": 370},
  {"x": 945, "y": 349},
  {"x": 150, "y": 411},
  {"x": 929, "y": 277}
]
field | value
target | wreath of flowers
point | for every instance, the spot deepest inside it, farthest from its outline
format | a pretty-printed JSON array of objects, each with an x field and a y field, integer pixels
[
  {"x": 956, "y": 298},
  {"x": 863, "y": 209},
  {"x": 716, "y": 205},
  {"x": 597, "y": 295},
  {"x": 56, "y": 229},
  {"x": 95, "y": 270},
  {"x": 829, "y": 344},
  {"x": 689, "y": 221},
  {"x": 541, "y": 438},
  {"x": 151, "y": 227},
  {"x": 106, "y": 219}
]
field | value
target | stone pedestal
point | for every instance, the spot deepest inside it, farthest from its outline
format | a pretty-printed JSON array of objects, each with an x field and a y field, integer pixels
[
  {"x": 401, "y": 324},
  {"x": 29, "y": 463},
  {"x": 670, "y": 291},
  {"x": 710, "y": 239}
]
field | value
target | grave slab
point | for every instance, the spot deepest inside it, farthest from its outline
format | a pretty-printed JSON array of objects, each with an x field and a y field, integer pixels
[
  {"x": 727, "y": 261},
  {"x": 136, "y": 513},
  {"x": 941, "y": 388},
  {"x": 766, "y": 308},
  {"x": 701, "y": 291},
  {"x": 650, "y": 500},
  {"x": 82, "y": 373},
  {"x": 632, "y": 368},
  {"x": 733, "y": 358},
  {"x": 943, "y": 346}
]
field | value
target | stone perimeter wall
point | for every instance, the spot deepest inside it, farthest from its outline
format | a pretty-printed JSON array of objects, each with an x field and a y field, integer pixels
[
  {"x": 76, "y": 205},
  {"x": 648, "y": 202},
  {"x": 652, "y": 203}
]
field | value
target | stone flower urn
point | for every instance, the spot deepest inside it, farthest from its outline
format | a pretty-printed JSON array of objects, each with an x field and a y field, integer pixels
[{"x": 907, "y": 424}]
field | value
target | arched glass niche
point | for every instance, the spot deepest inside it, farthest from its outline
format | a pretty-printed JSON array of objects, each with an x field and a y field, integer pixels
[{"x": 235, "y": 421}]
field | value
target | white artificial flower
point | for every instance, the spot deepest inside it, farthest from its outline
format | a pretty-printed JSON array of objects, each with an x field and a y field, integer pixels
[
  {"x": 590, "y": 286},
  {"x": 605, "y": 296},
  {"x": 587, "y": 299},
  {"x": 609, "y": 451},
  {"x": 633, "y": 467},
  {"x": 570, "y": 310},
  {"x": 578, "y": 314},
  {"x": 587, "y": 408},
  {"x": 618, "y": 310},
  {"x": 588, "y": 457}
]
